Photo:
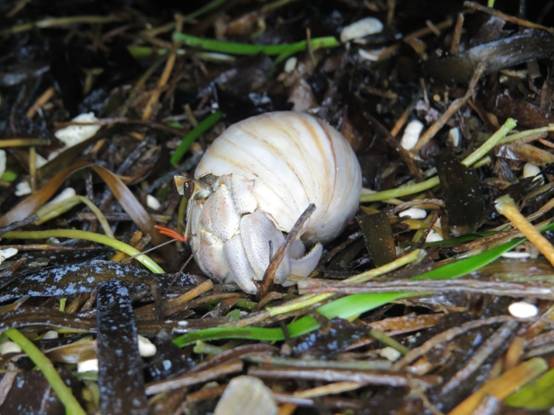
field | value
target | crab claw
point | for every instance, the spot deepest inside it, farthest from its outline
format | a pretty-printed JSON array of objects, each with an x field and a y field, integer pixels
[
  {"x": 235, "y": 241},
  {"x": 260, "y": 239}
]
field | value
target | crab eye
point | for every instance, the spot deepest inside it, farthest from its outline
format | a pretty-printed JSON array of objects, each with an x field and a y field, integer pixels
[{"x": 185, "y": 185}]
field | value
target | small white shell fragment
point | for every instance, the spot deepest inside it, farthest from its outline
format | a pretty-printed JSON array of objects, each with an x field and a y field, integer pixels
[
  {"x": 90, "y": 365},
  {"x": 455, "y": 136},
  {"x": 146, "y": 347},
  {"x": 246, "y": 395},
  {"x": 153, "y": 203},
  {"x": 7, "y": 253},
  {"x": 50, "y": 335},
  {"x": 433, "y": 235},
  {"x": 75, "y": 134},
  {"x": 2, "y": 162},
  {"x": 290, "y": 64},
  {"x": 523, "y": 310},
  {"x": 361, "y": 28},
  {"x": 530, "y": 170},
  {"x": 63, "y": 195},
  {"x": 370, "y": 55},
  {"x": 411, "y": 135},
  {"x": 413, "y": 213},
  {"x": 390, "y": 353},
  {"x": 22, "y": 188},
  {"x": 40, "y": 161},
  {"x": 9, "y": 347},
  {"x": 516, "y": 255}
]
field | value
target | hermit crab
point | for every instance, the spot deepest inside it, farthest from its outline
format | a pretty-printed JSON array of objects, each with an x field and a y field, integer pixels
[{"x": 253, "y": 183}]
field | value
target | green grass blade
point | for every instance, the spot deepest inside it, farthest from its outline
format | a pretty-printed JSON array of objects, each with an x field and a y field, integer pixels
[
  {"x": 193, "y": 135},
  {"x": 465, "y": 266},
  {"x": 238, "y": 48},
  {"x": 218, "y": 333},
  {"x": 413, "y": 188},
  {"x": 536, "y": 395},
  {"x": 89, "y": 236},
  {"x": 63, "y": 392},
  {"x": 347, "y": 307}
]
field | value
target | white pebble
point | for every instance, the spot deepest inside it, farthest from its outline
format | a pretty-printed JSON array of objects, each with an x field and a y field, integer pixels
[
  {"x": 146, "y": 347},
  {"x": 50, "y": 335},
  {"x": 152, "y": 202},
  {"x": 63, "y": 195},
  {"x": 40, "y": 161},
  {"x": 290, "y": 64},
  {"x": 455, "y": 136},
  {"x": 90, "y": 365},
  {"x": 523, "y": 310},
  {"x": 370, "y": 55},
  {"x": 411, "y": 135},
  {"x": 246, "y": 395},
  {"x": 7, "y": 253},
  {"x": 22, "y": 188},
  {"x": 2, "y": 162},
  {"x": 361, "y": 28},
  {"x": 390, "y": 353},
  {"x": 516, "y": 255},
  {"x": 530, "y": 170},
  {"x": 75, "y": 134},
  {"x": 433, "y": 235},
  {"x": 9, "y": 347},
  {"x": 413, "y": 213}
]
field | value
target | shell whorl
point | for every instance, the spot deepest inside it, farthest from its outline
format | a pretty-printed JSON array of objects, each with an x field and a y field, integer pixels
[{"x": 293, "y": 159}]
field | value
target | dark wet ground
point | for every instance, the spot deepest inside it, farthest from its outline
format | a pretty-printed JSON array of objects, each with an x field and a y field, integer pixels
[{"x": 460, "y": 69}]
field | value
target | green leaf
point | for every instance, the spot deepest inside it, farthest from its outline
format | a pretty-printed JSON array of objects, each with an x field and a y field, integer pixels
[
  {"x": 9, "y": 176},
  {"x": 536, "y": 395},
  {"x": 190, "y": 137}
]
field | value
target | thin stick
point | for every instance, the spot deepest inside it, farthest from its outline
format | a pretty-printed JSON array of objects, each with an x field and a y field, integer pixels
[
  {"x": 269, "y": 274},
  {"x": 412, "y": 188},
  {"x": 491, "y": 345},
  {"x": 454, "y": 106},
  {"x": 447, "y": 336},
  {"x": 52, "y": 22},
  {"x": 41, "y": 100},
  {"x": 457, "y": 35},
  {"x": 506, "y": 17},
  {"x": 23, "y": 142},
  {"x": 310, "y": 299},
  {"x": 506, "y": 206},
  {"x": 314, "y": 286}
]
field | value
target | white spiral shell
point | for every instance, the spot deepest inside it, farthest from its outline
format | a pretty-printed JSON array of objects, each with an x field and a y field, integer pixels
[{"x": 255, "y": 181}]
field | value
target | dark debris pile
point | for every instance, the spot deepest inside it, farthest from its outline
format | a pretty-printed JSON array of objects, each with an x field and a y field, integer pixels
[{"x": 414, "y": 98}]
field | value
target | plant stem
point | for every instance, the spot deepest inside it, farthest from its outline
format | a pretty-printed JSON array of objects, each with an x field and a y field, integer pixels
[
  {"x": 311, "y": 299},
  {"x": 193, "y": 135},
  {"x": 64, "y": 393},
  {"x": 506, "y": 206},
  {"x": 237, "y": 48},
  {"x": 488, "y": 145},
  {"x": 89, "y": 236},
  {"x": 413, "y": 188},
  {"x": 51, "y": 211}
]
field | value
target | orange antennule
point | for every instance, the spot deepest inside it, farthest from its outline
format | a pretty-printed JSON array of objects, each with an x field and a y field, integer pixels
[{"x": 172, "y": 233}]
